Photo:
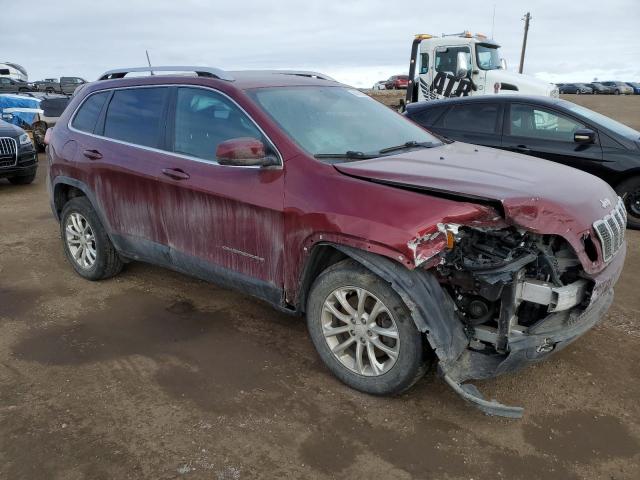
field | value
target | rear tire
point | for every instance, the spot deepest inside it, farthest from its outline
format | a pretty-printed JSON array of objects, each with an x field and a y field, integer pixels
[
  {"x": 629, "y": 190},
  {"x": 86, "y": 243},
  {"x": 388, "y": 365},
  {"x": 23, "y": 179},
  {"x": 616, "y": 92}
]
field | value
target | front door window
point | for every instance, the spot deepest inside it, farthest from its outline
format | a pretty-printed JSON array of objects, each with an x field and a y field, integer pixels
[{"x": 535, "y": 122}]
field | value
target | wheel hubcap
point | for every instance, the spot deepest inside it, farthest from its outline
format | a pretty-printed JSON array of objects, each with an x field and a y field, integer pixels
[
  {"x": 80, "y": 240},
  {"x": 360, "y": 331}
]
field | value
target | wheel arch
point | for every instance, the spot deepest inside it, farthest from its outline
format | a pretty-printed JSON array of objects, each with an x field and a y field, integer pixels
[
  {"x": 66, "y": 188},
  {"x": 431, "y": 307}
]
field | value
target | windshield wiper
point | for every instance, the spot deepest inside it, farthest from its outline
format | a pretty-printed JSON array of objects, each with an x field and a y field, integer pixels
[
  {"x": 411, "y": 144},
  {"x": 349, "y": 154}
]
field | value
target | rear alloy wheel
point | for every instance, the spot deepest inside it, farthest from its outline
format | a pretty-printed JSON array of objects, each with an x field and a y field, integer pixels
[
  {"x": 80, "y": 241},
  {"x": 363, "y": 331},
  {"x": 629, "y": 191},
  {"x": 86, "y": 243}
]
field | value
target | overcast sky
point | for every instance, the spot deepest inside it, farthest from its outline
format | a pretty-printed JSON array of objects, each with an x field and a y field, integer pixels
[{"x": 355, "y": 41}]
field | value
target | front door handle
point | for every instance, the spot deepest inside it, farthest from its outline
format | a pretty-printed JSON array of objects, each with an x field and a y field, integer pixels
[
  {"x": 175, "y": 173},
  {"x": 92, "y": 154}
]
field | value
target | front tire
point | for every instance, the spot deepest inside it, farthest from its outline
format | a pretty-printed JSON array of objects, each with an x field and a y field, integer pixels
[
  {"x": 86, "y": 243},
  {"x": 629, "y": 191},
  {"x": 363, "y": 331}
]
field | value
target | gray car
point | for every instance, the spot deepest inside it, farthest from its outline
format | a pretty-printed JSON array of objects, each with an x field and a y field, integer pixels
[
  {"x": 65, "y": 85},
  {"x": 11, "y": 85},
  {"x": 619, "y": 88}
]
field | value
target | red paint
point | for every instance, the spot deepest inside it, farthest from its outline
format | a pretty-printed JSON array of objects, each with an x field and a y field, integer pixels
[{"x": 278, "y": 214}]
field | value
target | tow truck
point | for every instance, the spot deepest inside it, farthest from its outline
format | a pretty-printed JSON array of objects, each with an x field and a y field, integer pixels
[{"x": 464, "y": 64}]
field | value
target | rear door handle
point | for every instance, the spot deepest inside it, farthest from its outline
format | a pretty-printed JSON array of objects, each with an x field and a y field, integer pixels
[
  {"x": 92, "y": 154},
  {"x": 175, "y": 173}
]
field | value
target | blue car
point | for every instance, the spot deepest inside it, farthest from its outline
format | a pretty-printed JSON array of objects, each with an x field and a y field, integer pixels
[{"x": 635, "y": 86}]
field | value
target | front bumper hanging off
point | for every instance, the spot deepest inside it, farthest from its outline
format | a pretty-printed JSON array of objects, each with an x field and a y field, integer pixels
[{"x": 548, "y": 336}]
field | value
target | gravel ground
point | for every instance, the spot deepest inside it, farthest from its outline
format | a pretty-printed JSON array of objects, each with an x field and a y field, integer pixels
[{"x": 156, "y": 375}]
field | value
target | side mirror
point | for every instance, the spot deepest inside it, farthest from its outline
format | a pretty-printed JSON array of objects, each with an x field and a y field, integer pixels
[
  {"x": 244, "y": 152},
  {"x": 462, "y": 67},
  {"x": 584, "y": 135},
  {"x": 503, "y": 64}
]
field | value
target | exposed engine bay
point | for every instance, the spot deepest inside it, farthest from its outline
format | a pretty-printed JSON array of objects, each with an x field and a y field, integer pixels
[{"x": 505, "y": 281}]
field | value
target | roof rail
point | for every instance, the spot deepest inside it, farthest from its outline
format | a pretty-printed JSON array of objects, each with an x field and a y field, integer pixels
[
  {"x": 298, "y": 73},
  {"x": 200, "y": 71}
]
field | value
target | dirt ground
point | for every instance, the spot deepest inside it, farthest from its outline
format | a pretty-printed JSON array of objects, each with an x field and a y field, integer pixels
[{"x": 155, "y": 375}]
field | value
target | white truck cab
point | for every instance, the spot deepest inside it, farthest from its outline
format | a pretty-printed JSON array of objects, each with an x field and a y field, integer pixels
[{"x": 464, "y": 64}]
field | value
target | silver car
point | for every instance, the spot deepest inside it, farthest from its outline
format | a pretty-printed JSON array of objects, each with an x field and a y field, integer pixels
[{"x": 619, "y": 88}]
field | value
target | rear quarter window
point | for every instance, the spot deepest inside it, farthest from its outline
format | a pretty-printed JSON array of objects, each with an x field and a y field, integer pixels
[
  {"x": 87, "y": 115},
  {"x": 135, "y": 115},
  {"x": 428, "y": 117}
]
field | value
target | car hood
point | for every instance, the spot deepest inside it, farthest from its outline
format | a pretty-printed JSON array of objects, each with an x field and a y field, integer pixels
[
  {"x": 526, "y": 85},
  {"x": 541, "y": 196},
  {"x": 8, "y": 130}
]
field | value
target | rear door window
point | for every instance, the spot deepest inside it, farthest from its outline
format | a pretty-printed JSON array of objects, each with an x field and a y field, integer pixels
[
  {"x": 204, "y": 119},
  {"x": 136, "y": 115},
  {"x": 87, "y": 116},
  {"x": 476, "y": 118}
]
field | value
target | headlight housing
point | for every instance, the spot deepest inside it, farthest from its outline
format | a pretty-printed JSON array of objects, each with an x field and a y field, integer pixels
[{"x": 24, "y": 140}]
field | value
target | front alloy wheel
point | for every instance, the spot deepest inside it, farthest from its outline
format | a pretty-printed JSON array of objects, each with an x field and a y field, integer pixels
[
  {"x": 360, "y": 331},
  {"x": 363, "y": 331}
]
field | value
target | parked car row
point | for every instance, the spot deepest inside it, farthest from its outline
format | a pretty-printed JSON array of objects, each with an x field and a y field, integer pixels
[
  {"x": 601, "y": 88},
  {"x": 482, "y": 259},
  {"x": 64, "y": 85}
]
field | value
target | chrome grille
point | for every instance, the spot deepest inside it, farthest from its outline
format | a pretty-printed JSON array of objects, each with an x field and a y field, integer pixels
[
  {"x": 8, "y": 152},
  {"x": 611, "y": 229}
]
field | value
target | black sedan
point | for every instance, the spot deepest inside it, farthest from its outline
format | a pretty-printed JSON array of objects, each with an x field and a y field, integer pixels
[
  {"x": 600, "y": 89},
  {"x": 543, "y": 127}
]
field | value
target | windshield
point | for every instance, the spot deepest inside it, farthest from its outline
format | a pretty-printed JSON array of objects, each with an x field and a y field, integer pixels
[
  {"x": 606, "y": 122},
  {"x": 488, "y": 57},
  {"x": 335, "y": 120}
]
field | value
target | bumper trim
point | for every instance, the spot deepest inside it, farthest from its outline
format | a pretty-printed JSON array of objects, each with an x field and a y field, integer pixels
[{"x": 471, "y": 394}]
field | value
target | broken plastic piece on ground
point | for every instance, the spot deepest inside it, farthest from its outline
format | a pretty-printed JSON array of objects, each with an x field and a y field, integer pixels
[{"x": 471, "y": 394}]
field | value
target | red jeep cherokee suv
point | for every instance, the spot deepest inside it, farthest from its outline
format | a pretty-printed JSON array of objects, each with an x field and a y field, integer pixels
[{"x": 308, "y": 194}]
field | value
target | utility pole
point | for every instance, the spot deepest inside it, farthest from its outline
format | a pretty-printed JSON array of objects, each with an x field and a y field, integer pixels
[{"x": 526, "y": 19}]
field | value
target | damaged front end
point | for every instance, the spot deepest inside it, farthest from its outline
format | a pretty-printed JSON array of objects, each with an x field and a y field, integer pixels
[{"x": 519, "y": 296}]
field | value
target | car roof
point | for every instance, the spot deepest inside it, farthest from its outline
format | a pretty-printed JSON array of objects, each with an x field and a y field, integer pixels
[{"x": 538, "y": 99}]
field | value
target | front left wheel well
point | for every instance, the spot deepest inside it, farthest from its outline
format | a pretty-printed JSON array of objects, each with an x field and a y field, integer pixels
[{"x": 322, "y": 257}]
